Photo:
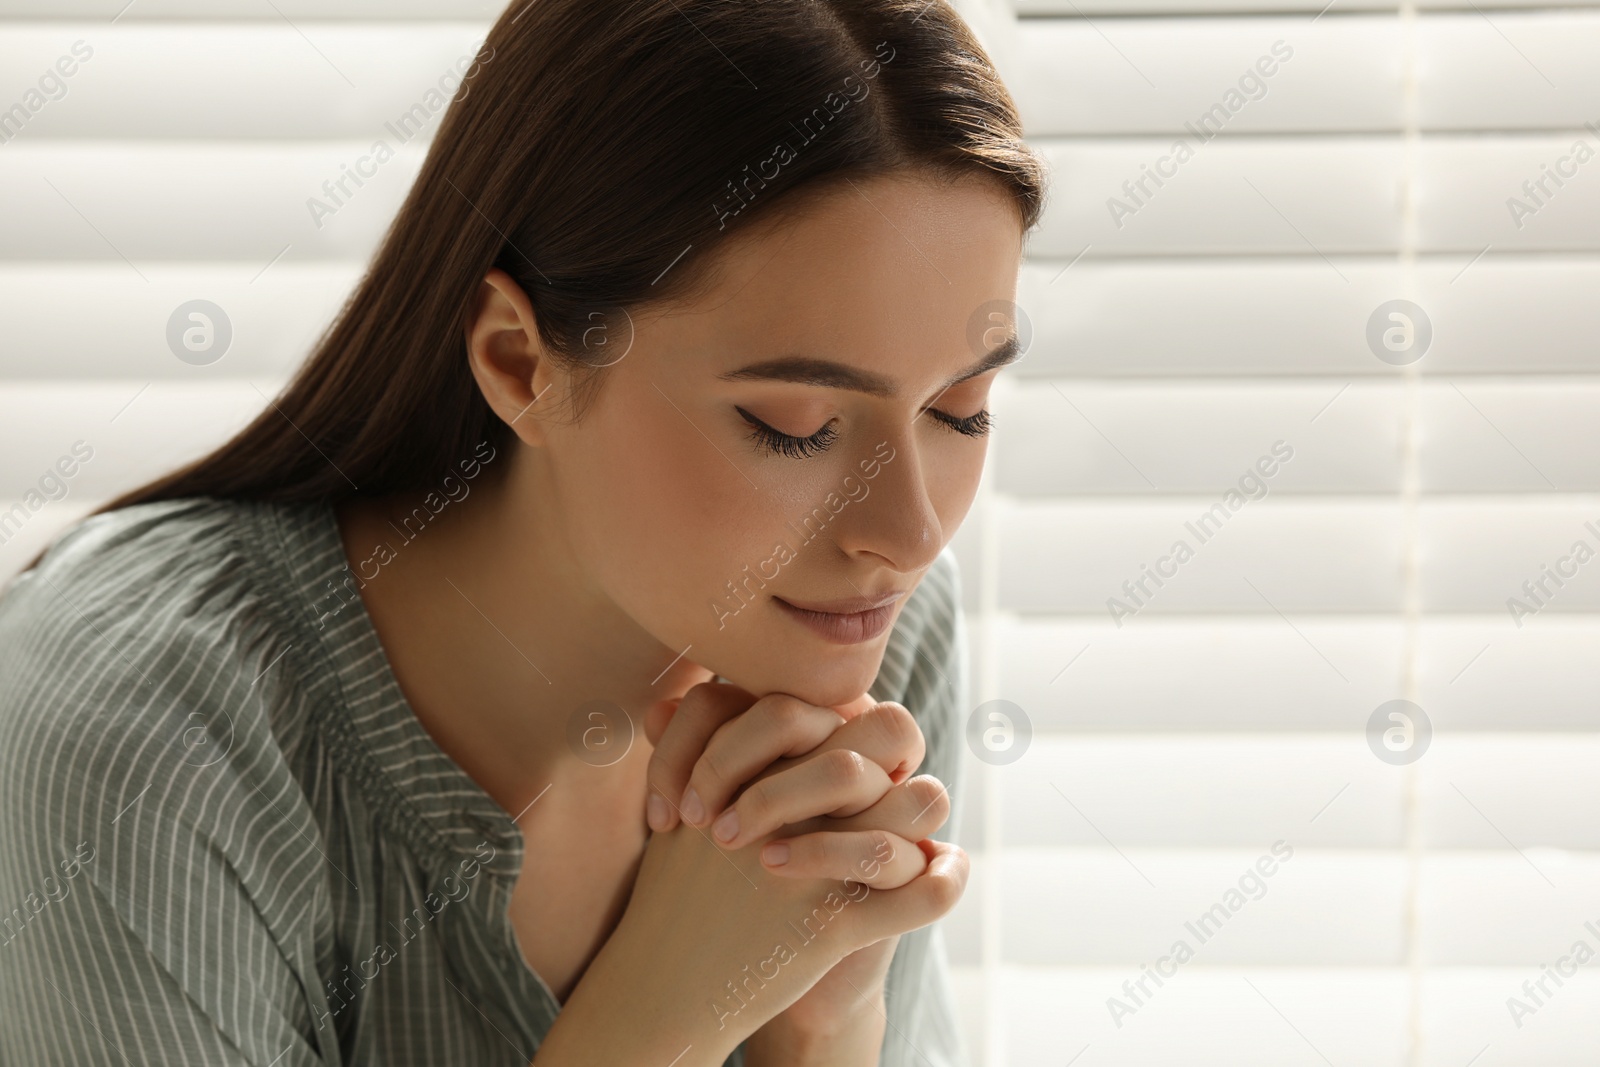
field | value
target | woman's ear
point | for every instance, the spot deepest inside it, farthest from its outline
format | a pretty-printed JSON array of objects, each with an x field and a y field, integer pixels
[{"x": 511, "y": 365}]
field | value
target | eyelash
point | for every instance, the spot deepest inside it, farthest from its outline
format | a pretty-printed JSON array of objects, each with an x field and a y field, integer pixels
[
  {"x": 785, "y": 444},
  {"x": 973, "y": 425},
  {"x": 804, "y": 447}
]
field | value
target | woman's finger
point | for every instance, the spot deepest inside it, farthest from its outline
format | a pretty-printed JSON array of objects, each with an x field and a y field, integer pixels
[
  {"x": 837, "y": 782},
  {"x": 914, "y": 809},
  {"x": 781, "y": 731},
  {"x": 702, "y": 710},
  {"x": 676, "y": 748},
  {"x": 875, "y": 858},
  {"x": 656, "y": 717},
  {"x": 775, "y": 726},
  {"x": 926, "y": 898},
  {"x": 885, "y": 733},
  {"x": 856, "y": 706}
]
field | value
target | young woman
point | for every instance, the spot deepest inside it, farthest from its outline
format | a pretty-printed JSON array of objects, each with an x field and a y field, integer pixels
[{"x": 544, "y": 675}]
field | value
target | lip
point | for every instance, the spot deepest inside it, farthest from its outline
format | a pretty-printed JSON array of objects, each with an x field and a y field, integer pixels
[{"x": 844, "y": 622}]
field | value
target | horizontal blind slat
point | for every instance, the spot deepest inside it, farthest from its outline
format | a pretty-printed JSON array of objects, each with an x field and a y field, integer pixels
[
  {"x": 1275, "y": 317},
  {"x": 204, "y": 81},
  {"x": 1207, "y": 673},
  {"x": 1316, "y": 197},
  {"x": 1530, "y": 70}
]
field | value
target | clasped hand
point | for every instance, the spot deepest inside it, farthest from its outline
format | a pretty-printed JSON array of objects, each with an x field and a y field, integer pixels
[
  {"x": 828, "y": 794},
  {"x": 748, "y": 768},
  {"x": 790, "y": 854}
]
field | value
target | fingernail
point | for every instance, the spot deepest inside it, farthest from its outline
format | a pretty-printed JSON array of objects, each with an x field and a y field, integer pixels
[
  {"x": 694, "y": 812},
  {"x": 775, "y": 855},
  {"x": 655, "y": 811},
  {"x": 727, "y": 825}
]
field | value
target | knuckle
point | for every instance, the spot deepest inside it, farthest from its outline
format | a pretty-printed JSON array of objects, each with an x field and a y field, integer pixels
[
  {"x": 698, "y": 713},
  {"x": 660, "y": 770},
  {"x": 698, "y": 694},
  {"x": 754, "y": 805},
  {"x": 962, "y": 867},
  {"x": 783, "y": 713},
  {"x": 946, "y": 891},
  {"x": 879, "y": 847},
  {"x": 898, "y": 722},
  {"x": 931, "y": 798},
  {"x": 887, "y": 720},
  {"x": 831, "y": 851},
  {"x": 844, "y": 766},
  {"x": 713, "y": 763}
]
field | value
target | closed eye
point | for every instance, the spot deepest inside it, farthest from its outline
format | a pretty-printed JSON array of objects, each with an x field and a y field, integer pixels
[
  {"x": 972, "y": 425},
  {"x": 783, "y": 444}
]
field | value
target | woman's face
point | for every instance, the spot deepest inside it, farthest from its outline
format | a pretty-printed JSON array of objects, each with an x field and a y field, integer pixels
[{"x": 787, "y": 438}]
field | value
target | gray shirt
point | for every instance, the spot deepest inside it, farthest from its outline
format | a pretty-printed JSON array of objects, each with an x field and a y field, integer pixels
[{"x": 226, "y": 839}]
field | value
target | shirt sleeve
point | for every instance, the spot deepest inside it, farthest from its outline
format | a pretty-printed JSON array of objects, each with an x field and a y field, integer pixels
[
  {"x": 133, "y": 926},
  {"x": 82, "y": 987},
  {"x": 921, "y": 1027}
]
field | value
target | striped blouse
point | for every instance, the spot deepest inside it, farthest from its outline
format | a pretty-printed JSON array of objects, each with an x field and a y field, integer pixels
[{"x": 226, "y": 840}]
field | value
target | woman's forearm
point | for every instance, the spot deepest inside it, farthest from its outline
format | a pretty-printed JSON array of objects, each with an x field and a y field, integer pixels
[
  {"x": 855, "y": 1041},
  {"x": 611, "y": 1017}
]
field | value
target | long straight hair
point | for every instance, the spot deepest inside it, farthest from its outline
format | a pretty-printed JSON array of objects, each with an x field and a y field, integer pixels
[{"x": 598, "y": 152}]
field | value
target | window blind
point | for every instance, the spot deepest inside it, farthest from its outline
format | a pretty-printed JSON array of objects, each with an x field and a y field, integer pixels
[{"x": 1240, "y": 191}]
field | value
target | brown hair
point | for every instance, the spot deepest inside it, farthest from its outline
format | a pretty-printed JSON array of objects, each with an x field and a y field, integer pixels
[{"x": 598, "y": 153}]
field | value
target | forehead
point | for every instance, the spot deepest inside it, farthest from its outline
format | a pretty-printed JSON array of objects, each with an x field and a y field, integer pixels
[{"x": 886, "y": 273}]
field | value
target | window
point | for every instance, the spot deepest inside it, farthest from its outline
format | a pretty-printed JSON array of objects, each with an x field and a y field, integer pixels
[{"x": 1242, "y": 191}]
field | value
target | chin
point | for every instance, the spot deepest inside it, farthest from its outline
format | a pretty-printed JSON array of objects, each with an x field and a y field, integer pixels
[{"x": 832, "y": 676}]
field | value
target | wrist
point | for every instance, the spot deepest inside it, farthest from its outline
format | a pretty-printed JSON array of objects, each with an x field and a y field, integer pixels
[
  {"x": 611, "y": 1018},
  {"x": 849, "y": 1038}
]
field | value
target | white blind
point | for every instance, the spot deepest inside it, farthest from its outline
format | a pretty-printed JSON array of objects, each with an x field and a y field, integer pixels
[
  {"x": 1334, "y": 157},
  {"x": 1228, "y": 312}
]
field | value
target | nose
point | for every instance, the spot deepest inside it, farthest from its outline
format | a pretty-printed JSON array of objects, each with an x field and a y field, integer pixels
[{"x": 896, "y": 520}]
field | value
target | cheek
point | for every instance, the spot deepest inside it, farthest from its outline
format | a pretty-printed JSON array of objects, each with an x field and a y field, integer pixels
[
  {"x": 952, "y": 474},
  {"x": 658, "y": 516}
]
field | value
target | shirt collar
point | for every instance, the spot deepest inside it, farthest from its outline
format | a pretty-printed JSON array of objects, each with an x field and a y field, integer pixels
[{"x": 424, "y": 796}]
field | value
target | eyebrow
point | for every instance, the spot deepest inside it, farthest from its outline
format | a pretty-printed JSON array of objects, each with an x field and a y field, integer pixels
[{"x": 828, "y": 374}]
